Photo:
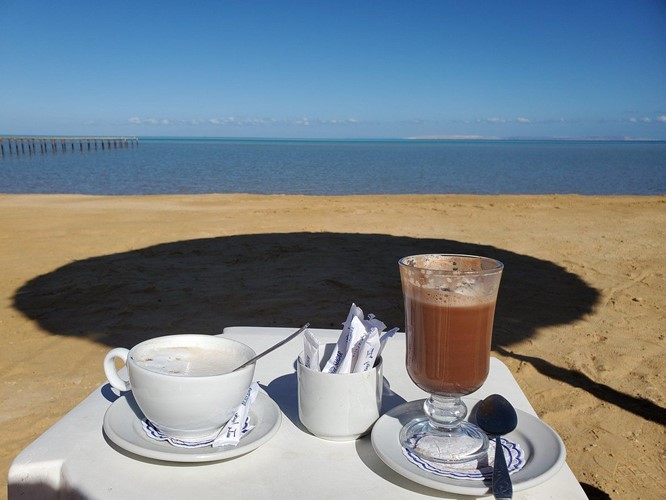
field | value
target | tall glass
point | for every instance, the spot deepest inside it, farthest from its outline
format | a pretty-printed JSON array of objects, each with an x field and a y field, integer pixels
[{"x": 449, "y": 311}]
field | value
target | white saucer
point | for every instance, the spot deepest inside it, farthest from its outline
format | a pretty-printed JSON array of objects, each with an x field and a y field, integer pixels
[
  {"x": 122, "y": 425},
  {"x": 544, "y": 452}
]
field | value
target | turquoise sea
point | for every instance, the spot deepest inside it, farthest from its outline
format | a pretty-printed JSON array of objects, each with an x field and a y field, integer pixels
[{"x": 337, "y": 167}]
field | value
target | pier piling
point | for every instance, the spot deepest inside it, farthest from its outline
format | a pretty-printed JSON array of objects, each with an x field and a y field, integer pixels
[{"x": 17, "y": 145}]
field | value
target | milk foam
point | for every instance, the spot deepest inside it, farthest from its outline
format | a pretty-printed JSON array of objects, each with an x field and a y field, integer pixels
[
  {"x": 189, "y": 361},
  {"x": 450, "y": 281}
]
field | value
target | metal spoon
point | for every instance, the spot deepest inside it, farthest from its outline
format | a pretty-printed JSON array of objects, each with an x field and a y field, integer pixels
[
  {"x": 272, "y": 348},
  {"x": 496, "y": 416}
]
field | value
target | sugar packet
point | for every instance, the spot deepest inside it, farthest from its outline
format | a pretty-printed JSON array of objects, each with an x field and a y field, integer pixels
[
  {"x": 344, "y": 360},
  {"x": 371, "y": 349},
  {"x": 310, "y": 350},
  {"x": 239, "y": 424},
  {"x": 367, "y": 351}
]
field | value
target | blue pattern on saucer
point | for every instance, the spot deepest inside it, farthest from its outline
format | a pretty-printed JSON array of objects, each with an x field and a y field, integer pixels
[
  {"x": 153, "y": 432},
  {"x": 476, "y": 470}
]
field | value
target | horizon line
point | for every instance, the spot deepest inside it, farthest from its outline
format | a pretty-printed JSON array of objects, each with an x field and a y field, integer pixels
[{"x": 433, "y": 137}]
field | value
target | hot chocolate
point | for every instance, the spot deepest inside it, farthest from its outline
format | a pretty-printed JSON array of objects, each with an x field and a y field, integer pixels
[{"x": 449, "y": 354}]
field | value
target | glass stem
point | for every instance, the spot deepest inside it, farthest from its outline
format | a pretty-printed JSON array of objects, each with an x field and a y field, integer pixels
[{"x": 445, "y": 413}]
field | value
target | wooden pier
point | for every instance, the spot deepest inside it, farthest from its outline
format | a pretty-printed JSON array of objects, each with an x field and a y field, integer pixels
[{"x": 33, "y": 145}]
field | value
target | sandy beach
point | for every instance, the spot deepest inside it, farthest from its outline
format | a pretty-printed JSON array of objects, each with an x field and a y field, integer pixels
[{"x": 580, "y": 318}]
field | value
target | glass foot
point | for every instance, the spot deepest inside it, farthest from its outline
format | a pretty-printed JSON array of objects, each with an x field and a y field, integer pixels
[{"x": 460, "y": 444}]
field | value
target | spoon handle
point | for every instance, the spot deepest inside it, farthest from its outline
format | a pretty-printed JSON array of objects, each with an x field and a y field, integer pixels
[
  {"x": 272, "y": 348},
  {"x": 502, "y": 488}
]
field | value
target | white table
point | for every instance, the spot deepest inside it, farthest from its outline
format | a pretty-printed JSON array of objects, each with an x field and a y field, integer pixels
[{"x": 73, "y": 459}]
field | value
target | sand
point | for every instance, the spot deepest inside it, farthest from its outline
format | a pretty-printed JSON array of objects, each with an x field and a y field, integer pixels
[{"x": 580, "y": 320}]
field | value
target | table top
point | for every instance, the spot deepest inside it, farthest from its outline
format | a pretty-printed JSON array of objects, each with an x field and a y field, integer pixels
[{"x": 74, "y": 458}]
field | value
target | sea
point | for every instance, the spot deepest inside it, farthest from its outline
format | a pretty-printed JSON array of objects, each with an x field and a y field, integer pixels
[{"x": 168, "y": 165}]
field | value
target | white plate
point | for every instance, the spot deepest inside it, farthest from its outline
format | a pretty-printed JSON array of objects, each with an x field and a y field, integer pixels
[
  {"x": 122, "y": 425},
  {"x": 544, "y": 452}
]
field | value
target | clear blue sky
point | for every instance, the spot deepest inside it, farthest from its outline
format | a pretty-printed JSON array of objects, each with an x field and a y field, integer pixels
[{"x": 334, "y": 69}]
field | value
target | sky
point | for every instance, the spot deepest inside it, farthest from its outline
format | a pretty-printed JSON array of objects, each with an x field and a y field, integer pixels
[{"x": 334, "y": 69}]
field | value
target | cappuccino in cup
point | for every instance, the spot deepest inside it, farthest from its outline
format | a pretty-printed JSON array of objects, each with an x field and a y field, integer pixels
[
  {"x": 185, "y": 360},
  {"x": 185, "y": 384}
]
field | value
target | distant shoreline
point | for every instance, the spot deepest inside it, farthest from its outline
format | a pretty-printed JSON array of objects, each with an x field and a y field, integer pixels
[
  {"x": 451, "y": 138},
  {"x": 527, "y": 139}
]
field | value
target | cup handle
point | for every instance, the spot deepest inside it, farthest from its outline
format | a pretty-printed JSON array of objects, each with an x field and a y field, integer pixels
[{"x": 110, "y": 368}]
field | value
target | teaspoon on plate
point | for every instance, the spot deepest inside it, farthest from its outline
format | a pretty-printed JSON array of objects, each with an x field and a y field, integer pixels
[{"x": 497, "y": 416}]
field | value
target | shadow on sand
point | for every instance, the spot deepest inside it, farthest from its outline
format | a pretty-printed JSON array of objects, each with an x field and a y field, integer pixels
[
  {"x": 288, "y": 279},
  {"x": 205, "y": 285}
]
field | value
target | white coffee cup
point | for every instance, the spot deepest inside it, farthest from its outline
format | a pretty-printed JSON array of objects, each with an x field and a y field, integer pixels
[
  {"x": 339, "y": 406},
  {"x": 185, "y": 384}
]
